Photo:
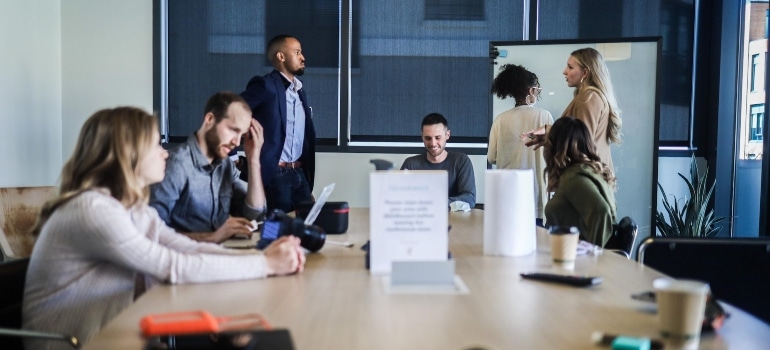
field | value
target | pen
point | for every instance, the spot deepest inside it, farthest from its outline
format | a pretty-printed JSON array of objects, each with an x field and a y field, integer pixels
[{"x": 604, "y": 339}]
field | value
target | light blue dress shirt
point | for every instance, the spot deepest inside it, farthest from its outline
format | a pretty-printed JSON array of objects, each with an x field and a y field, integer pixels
[{"x": 295, "y": 123}]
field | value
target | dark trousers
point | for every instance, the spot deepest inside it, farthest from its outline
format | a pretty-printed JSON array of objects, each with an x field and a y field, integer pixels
[{"x": 287, "y": 188}]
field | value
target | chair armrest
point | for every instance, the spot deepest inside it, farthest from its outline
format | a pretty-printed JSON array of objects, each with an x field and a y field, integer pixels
[
  {"x": 71, "y": 340},
  {"x": 621, "y": 252}
]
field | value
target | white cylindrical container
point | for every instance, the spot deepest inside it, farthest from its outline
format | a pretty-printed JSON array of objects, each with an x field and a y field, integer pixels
[{"x": 509, "y": 212}]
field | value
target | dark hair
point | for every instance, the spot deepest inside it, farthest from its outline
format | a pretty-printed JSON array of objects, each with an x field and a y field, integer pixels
[
  {"x": 434, "y": 118},
  {"x": 514, "y": 81},
  {"x": 274, "y": 44},
  {"x": 220, "y": 102},
  {"x": 569, "y": 142}
]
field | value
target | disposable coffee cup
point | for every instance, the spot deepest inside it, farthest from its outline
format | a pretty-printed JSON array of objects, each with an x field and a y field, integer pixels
[
  {"x": 564, "y": 242},
  {"x": 681, "y": 306}
]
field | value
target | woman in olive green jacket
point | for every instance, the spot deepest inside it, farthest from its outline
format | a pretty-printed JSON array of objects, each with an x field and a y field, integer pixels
[{"x": 583, "y": 186}]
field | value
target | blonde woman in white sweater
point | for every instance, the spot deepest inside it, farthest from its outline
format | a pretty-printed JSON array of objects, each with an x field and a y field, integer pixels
[
  {"x": 506, "y": 148},
  {"x": 100, "y": 243}
]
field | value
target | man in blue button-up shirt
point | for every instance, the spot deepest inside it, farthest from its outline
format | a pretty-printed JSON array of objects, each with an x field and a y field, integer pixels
[
  {"x": 202, "y": 194},
  {"x": 280, "y": 105}
]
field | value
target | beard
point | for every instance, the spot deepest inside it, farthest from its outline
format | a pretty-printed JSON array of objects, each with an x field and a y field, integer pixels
[
  {"x": 212, "y": 143},
  {"x": 299, "y": 72}
]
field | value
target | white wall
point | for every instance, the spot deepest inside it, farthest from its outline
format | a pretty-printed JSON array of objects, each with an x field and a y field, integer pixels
[
  {"x": 30, "y": 92},
  {"x": 106, "y": 60},
  {"x": 350, "y": 173},
  {"x": 61, "y": 61},
  {"x": 668, "y": 170}
]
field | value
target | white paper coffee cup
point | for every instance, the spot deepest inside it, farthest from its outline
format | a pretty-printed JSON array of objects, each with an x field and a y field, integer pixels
[
  {"x": 564, "y": 241},
  {"x": 681, "y": 306}
]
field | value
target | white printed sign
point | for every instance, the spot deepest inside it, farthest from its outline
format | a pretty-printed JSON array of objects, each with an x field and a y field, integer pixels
[{"x": 408, "y": 218}]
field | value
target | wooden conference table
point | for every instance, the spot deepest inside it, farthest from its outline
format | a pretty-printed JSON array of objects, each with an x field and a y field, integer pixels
[{"x": 337, "y": 304}]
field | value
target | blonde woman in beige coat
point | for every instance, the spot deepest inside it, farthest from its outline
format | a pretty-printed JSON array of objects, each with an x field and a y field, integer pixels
[{"x": 594, "y": 102}]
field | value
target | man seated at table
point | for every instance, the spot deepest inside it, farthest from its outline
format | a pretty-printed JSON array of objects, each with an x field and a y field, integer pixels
[
  {"x": 462, "y": 184},
  {"x": 202, "y": 194}
]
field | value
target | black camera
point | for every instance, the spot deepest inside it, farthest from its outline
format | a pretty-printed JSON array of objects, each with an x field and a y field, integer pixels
[{"x": 278, "y": 224}]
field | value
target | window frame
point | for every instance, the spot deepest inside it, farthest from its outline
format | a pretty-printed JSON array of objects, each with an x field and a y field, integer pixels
[
  {"x": 754, "y": 120},
  {"x": 753, "y": 79}
]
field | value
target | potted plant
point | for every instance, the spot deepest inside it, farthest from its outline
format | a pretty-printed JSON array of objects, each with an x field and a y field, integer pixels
[{"x": 693, "y": 218}]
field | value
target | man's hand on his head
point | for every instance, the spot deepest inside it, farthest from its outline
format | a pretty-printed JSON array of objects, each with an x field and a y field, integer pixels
[
  {"x": 233, "y": 226},
  {"x": 254, "y": 139},
  {"x": 285, "y": 256}
]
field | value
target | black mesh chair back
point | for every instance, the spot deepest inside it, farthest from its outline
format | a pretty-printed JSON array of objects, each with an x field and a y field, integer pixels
[
  {"x": 13, "y": 275},
  {"x": 623, "y": 236}
]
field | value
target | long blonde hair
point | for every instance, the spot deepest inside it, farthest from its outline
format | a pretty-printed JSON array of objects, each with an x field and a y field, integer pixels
[
  {"x": 110, "y": 145},
  {"x": 598, "y": 79}
]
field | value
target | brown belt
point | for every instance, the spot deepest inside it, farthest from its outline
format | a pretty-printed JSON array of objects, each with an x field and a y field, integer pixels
[{"x": 291, "y": 165}]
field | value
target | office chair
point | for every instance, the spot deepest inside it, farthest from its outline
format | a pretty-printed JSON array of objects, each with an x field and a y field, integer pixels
[
  {"x": 381, "y": 164},
  {"x": 13, "y": 275},
  {"x": 736, "y": 269},
  {"x": 623, "y": 237}
]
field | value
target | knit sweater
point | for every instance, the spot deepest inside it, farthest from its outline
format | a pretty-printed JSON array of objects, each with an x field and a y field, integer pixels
[
  {"x": 85, "y": 262},
  {"x": 461, "y": 180},
  {"x": 507, "y": 151}
]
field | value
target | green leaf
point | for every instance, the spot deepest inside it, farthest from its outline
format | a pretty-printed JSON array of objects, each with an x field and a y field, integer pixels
[{"x": 694, "y": 218}]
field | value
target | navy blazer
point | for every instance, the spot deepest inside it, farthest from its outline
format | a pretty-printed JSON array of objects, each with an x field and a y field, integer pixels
[{"x": 266, "y": 95}]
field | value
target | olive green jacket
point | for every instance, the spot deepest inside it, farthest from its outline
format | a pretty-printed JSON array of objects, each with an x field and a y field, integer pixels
[{"x": 583, "y": 199}]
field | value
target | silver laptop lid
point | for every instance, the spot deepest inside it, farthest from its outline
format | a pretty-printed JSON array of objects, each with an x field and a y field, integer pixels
[{"x": 316, "y": 209}]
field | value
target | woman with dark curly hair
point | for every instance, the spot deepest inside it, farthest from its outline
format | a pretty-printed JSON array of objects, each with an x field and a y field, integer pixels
[
  {"x": 583, "y": 186},
  {"x": 505, "y": 146}
]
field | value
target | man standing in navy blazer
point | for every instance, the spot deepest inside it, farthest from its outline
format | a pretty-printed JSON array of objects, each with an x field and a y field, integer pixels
[{"x": 280, "y": 105}]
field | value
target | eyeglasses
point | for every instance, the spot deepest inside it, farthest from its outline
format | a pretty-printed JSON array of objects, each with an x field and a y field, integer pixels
[{"x": 537, "y": 90}]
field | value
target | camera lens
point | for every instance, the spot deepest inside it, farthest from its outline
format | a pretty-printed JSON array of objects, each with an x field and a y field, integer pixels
[
  {"x": 278, "y": 224},
  {"x": 311, "y": 238}
]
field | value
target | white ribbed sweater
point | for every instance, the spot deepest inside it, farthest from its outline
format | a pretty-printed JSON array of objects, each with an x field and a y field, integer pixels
[
  {"x": 84, "y": 264},
  {"x": 508, "y": 151}
]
